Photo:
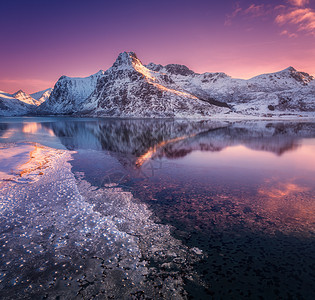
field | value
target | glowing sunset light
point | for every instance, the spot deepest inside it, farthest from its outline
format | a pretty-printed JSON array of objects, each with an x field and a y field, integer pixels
[
  {"x": 153, "y": 150},
  {"x": 161, "y": 87},
  {"x": 240, "y": 156},
  {"x": 282, "y": 190},
  {"x": 288, "y": 201},
  {"x": 148, "y": 75},
  {"x": 32, "y": 127},
  {"x": 41, "y": 42}
]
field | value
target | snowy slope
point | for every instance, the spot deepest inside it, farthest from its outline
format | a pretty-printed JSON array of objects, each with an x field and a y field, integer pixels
[
  {"x": 41, "y": 96},
  {"x": 11, "y": 106},
  {"x": 129, "y": 89},
  {"x": 68, "y": 93},
  {"x": 274, "y": 93},
  {"x": 26, "y": 98}
]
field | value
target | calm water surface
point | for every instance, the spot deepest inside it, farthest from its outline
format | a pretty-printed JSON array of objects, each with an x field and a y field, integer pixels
[{"x": 242, "y": 192}]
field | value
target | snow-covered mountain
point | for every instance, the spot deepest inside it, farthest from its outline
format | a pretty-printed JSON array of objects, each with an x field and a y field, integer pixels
[
  {"x": 68, "y": 94},
  {"x": 22, "y": 96},
  {"x": 274, "y": 93},
  {"x": 34, "y": 99},
  {"x": 21, "y": 103},
  {"x": 41, "y": 96},
  {"x": 10, "y": 106},
  {"x": 127, "y": 89},
  {"x": 131, "y": 89}
]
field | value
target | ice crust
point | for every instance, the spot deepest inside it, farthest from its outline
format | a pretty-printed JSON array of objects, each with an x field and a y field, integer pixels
[{"x": 62, "y": 237}]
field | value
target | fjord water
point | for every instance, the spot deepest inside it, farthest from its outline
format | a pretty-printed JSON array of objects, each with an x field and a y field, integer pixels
[{"x": 242, "y": 192}]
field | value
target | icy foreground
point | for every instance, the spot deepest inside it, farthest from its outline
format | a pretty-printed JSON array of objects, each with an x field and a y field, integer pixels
[
  {"x": 61, "y": 237},
  {"x": 18, "y": 157}
]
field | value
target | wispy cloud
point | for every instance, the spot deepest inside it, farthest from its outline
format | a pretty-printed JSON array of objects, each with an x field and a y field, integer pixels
[
  {"x": 289, "y": 34},
  {"x": 255, "y": 10},
  {"x": 252, "y": 10},
  {"x": 294, "y": 16},
  {"x": 237, "y": 10},
  {"x": 302, "y": 18},
  {"x": 299, "y": 2}
]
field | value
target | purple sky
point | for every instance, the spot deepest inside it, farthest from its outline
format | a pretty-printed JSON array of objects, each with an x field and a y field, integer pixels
[{"x": 42, "y": 40}]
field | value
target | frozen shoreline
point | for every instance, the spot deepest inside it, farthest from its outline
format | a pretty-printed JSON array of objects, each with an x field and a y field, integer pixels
[
  {"x": 63, "y": 237},
  {"x": 11, "y": 157},
  {"x": 232, "y": 117},
  {"x": 23, "y": 161}
]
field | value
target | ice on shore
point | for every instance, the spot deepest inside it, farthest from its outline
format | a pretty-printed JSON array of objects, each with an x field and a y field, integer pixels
[
  {"x": 11, "y": 157},
  {"x": 62, "y": 237}
]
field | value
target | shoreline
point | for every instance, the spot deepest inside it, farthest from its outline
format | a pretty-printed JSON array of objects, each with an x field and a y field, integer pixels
[
  {"x": 70, "y": 239},
  {"x": 224, "y": 117}
]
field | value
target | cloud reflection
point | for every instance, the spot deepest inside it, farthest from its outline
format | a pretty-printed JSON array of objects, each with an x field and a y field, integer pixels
[{"x": 282, "y": 189}]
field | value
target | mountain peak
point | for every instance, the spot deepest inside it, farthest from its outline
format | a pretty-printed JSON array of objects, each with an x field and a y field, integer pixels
[
  {"x": 126, "y": 59},
  {"x": 19, "y": 92},
  {"x": 95, "y": 75},
  {"x": 301, "y": 77},
  {"x": 154, "y": 67},
  {"x": 289, "y": 70},
  {"x": 100, "y": 72},
  {"x": 24, "y": 97},
  {"x": 177, "y": 69}
]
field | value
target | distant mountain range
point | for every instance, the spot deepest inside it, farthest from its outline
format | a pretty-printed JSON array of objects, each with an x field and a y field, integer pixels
[
  {"x": 131, "y": 89},
  {"x": 21, "y": 103}
]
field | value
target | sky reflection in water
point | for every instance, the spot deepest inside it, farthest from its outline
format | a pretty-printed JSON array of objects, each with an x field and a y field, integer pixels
[
  {"x": 242, "y": 192},
  {"x": 262, "y": 168}
]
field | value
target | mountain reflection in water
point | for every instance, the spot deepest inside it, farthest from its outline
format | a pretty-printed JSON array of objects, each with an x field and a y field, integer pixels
[
  {"x": 233, "y": 173},
  {"x": 170, "y": 138},
  {"x": 136, "y": 137},
  {"x": 243, "y": 161},
  {"x": 242, "y": 192}
]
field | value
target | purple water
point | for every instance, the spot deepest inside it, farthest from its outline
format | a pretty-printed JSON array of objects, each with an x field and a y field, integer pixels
[{"x": 241, "y": 192}]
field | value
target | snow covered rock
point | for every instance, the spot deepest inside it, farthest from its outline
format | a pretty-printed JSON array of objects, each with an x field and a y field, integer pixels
[
  {"x": 12, "y": 106},
  {"x": 21, "y": 103},
  {"x": 26, "y": 98},
  {"x": 129, "y": 89},
  {"x": 68, "y": 93},
  {"x": 286, "y": 91},
  {"x": 42, "y": 96}
]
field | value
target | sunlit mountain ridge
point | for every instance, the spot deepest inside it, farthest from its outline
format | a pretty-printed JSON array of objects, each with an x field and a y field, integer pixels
[{"x": 131, "y": 89}]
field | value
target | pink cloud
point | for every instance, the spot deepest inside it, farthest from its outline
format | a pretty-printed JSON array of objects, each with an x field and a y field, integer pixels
[
  {"x": 293, "y": 12},
  {"x": 255, "y": 10},
  {"x": 304, "y": 18},
  {"x": 236, "y": 11},
  {"x": 251, "y": 11},
  {"x": 299, "y": 2},
  {"x": 289, "y": 34}
]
